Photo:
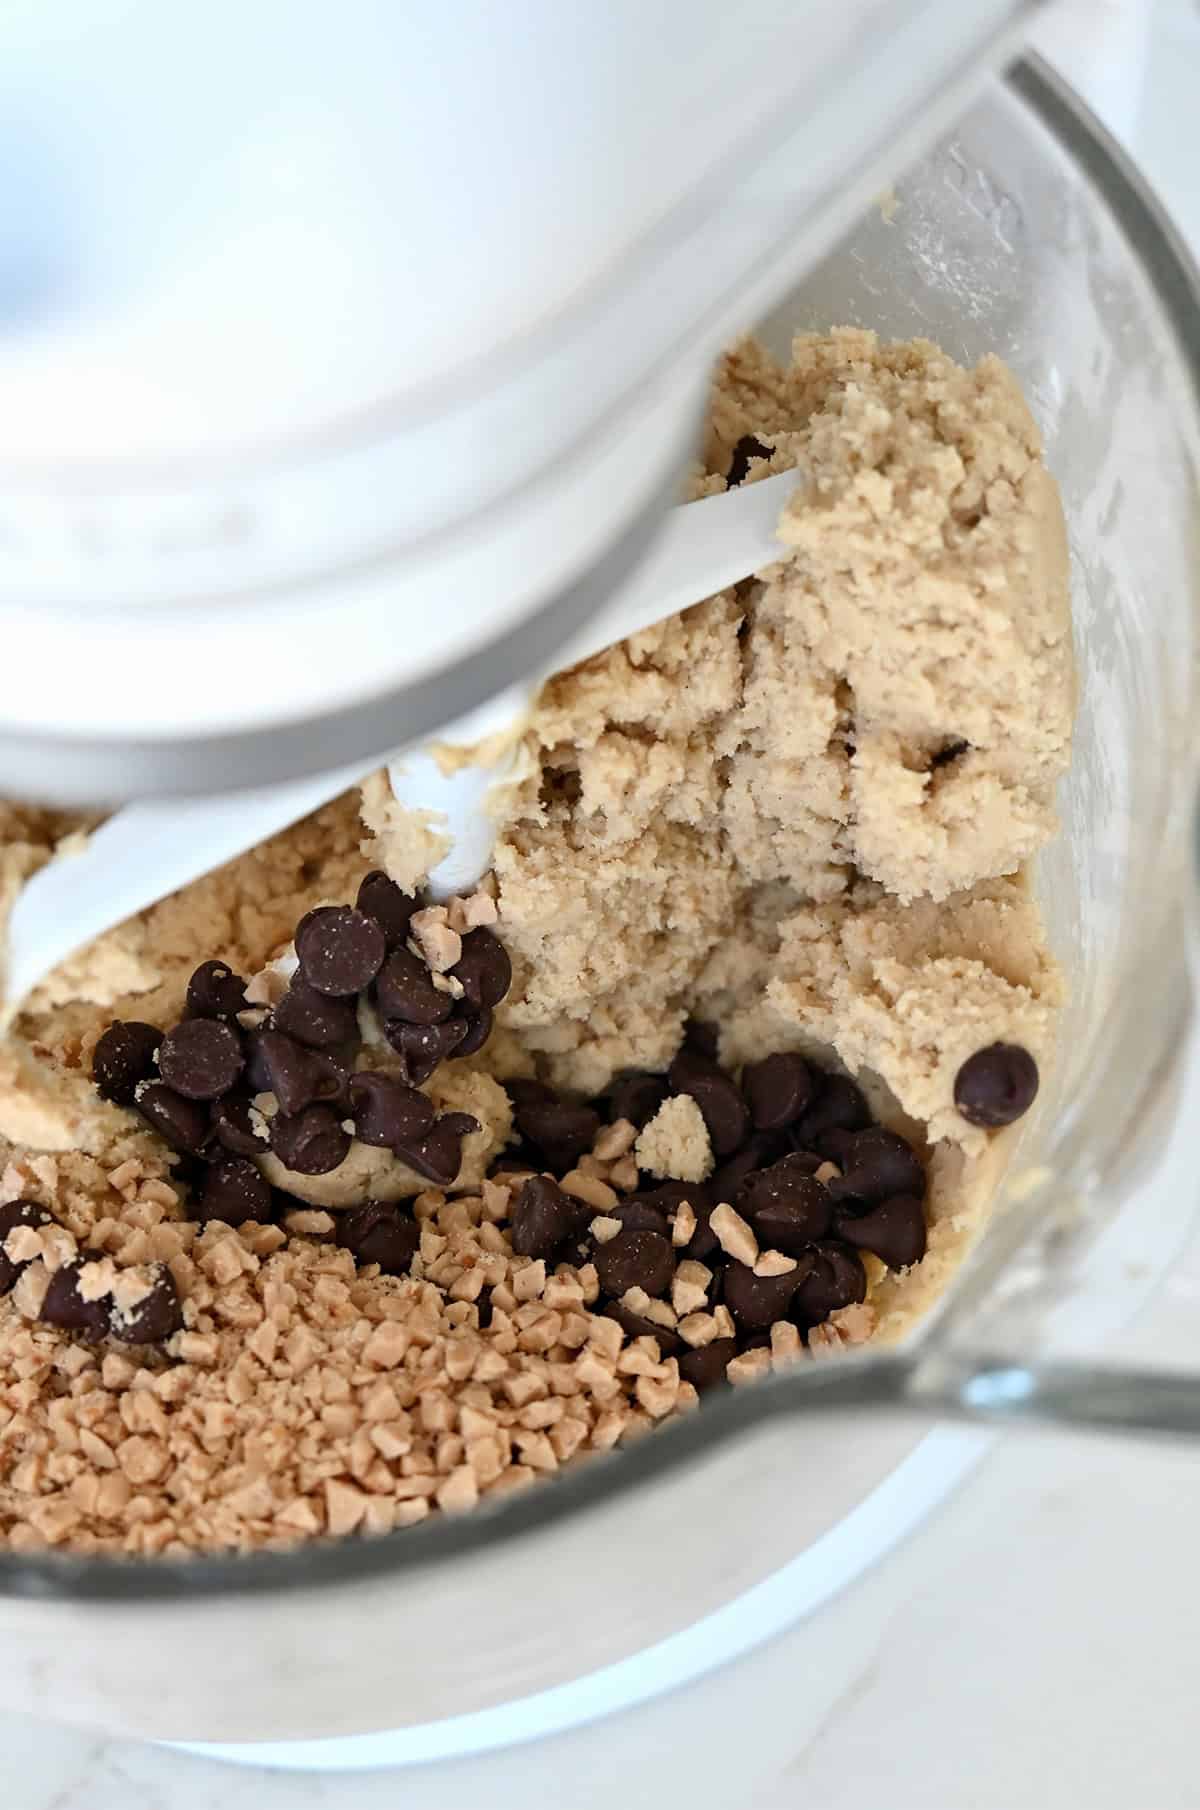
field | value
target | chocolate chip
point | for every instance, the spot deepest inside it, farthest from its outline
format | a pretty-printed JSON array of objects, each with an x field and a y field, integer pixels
[
  {"x": 155, "y": 1317},
  {"x": 721, "y": 1105},
  {"x": 183, "y": 1124},
  {"x": 839, "y": 1106},
  {"x": 340, "y": 950},
  {"x": 381, "y": 899},
  {"x": 635, "y": 1260},
  {"x": 523, "y": 1090},
  {"x": 297, "y": 1076},
  {"x": 123, "y": 1057},
  {"x": 381, "y": 1233},
  {"x": 746, "y": 449},
  {"x": 704, "y": 1367},
  {"x": 757, "y": 1301},
  {"x": 541, "y": 1217},
  {"x": 405, "y": 989},
  {"x": 703, "y": 1037},
  {"x": 636, "y": 1095},
  {"x": 950, "y": 751},
  {"x": 215, "y": 991},
  {"x": 201, "y": 1058},
  {"x": 484, "y": 968},
  {"x": 478, "y": 1029},
  {"x": 639, "y": 1327},
  {"x": 760, "y": 1149},
  {"x": 778, "y": 1089},
  {"x": 313, "y": 1018},
  {"x": 563, "y": 1133},
  {"x": 438, "y": 1155},
  {"x": 837, "y": 1146},
  {"x": 831, "y": 1276},
  {"x": 894, "y": 1230},
  {"x": 787, "y": 1207},
  {"x": 234, "y": 1190},
  {"x": 230, "y": 1117},
  {"x": 996, "y": 1085},
  {"x": 638, "y": 1214},
  {"x": 16, "y": 1213},
  {"x": 877, "y": 1165},
  {"x": 423, "y": 1046},
  {"x": 64, "y": 1306},
  {"x": 311, "y": 1143},
  {"x": 386, "y": 1112}
]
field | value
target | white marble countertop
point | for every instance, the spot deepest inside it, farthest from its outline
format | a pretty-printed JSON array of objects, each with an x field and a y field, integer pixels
[{"x": 1032, "y": 1646}]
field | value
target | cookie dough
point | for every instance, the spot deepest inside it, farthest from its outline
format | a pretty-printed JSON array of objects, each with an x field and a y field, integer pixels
[{"x": 799, "y": 813}]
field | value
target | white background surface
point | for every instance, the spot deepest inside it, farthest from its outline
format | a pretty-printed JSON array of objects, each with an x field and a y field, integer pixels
[{"x": 1033, "y": 1646}]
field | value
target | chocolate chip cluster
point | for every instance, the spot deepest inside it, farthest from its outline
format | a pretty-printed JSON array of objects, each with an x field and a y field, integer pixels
[
  {"x": 196, "y": 1083},
  {"x": 802, "y": 1169}
]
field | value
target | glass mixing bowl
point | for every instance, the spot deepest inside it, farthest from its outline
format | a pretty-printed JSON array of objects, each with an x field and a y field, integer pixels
[{"x": 1026, "y": 234}]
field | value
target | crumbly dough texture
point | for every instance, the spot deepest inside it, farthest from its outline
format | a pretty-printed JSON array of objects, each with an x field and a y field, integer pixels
[{"x": 801, "y": 810}]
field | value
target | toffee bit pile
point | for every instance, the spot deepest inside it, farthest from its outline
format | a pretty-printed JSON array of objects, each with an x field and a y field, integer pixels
[{"x": 249, "y": 1370}]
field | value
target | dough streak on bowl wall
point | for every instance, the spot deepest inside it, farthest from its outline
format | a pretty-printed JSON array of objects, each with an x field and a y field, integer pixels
[{"x": 256, "y": 1288}]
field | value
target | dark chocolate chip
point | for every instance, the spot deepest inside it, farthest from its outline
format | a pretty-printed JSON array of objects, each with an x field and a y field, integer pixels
[
  {"x": 233, "y": 1127},
  {"x": 392, "y": 909},
  {"x": 746, "y": 449},
  {"x": 788, "y": 1208},
  {"x": 637, "y": 1214},
  {"x": 757, "y": 1301},
  {"x": 386, "y": 1112},
  {"x": 704, "y": 1366},
  {"x": 636, "y": 1095},
  {"x": 404, "y": 988},
  {"x": 760, "y": 1150},
  {"x": 837, "y": 1146},
  {"x": 483, "y": 968},
  {"x": 215, "y": 991},
  {"x": 563, "y": 1133},
  {"x": 996, "y": 1085},
  {"x": 183, "y": 1124},
  {"x": 234, "y": 1190},
  {"x": 839, "y": 1106},
  {"x": 154, "y": 1318},
  {"x": 638, "y": 1327},
  {"x": 340, "y": 950},
  {"x": 635, "y": 1260},
  {"x": 423, "y": 1046},
  {"x": 877, "y": 1165},
  {"x": 314, "y": 1018},
  {"x": 64, "y": 1306},
  {"x": 201, "y": 1058},
  {"x": 311, "y": 1143},
  {"x": 381, "y": 1233},
  {"x": 950, "y": 751},
  {"x": 778, "y": 1089},
  {"x": 523, "y": 1090},
  {"x": 438, "y": 1155},
  {"x": 721, "y": 1105},
  {"x": 296, "y": 1075},
  {"x": 478, "y": 1029},
  {"x": 703, "y": 1037},
  {"x": 831, "y": 1276},
  {"x": 16, "y": 1213},
  {"x": 541, "y": 1218},
  {"x": 123, "y": 1057},
  {"x": 894, "y": 1230}
]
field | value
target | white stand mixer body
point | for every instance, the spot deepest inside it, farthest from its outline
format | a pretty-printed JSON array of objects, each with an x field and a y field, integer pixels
[{"x": 350, "y": 356}]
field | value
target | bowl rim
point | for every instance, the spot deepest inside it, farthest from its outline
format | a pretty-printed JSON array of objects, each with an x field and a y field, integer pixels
[{"x": 62, "y": 1577}]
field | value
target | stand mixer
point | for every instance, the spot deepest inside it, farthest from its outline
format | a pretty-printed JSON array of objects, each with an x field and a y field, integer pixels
[{"x": 349, "y": 366}]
